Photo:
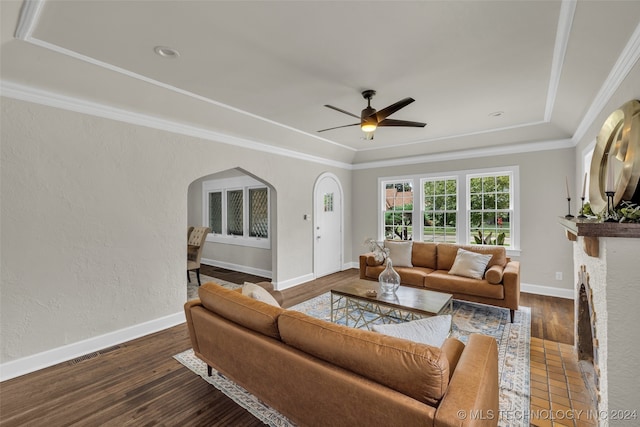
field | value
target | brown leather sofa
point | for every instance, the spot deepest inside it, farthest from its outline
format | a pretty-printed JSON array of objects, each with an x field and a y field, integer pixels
[
  {"x": 318, "y": 373},
  {"x": 500, "y": 285}
]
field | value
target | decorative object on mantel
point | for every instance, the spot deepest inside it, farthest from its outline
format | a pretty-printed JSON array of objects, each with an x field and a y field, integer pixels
[
  {"x": 584, "y": 189},
  {"x": 610, "y": 213},
  {"x": 568, "y": 198},
  {"x": 615, "y": 166},
  {"x": 628, "y": 212}
]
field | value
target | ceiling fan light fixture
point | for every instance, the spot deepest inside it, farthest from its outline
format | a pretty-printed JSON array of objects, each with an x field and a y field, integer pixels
[{"x": 368, "y": 127}]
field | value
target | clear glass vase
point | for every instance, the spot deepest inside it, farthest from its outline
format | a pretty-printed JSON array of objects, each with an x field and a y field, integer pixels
[{"x": 389, "y": 279}]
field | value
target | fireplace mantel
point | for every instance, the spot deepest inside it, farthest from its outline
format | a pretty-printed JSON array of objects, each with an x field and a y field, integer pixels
[{"x": 592, "y": 230}]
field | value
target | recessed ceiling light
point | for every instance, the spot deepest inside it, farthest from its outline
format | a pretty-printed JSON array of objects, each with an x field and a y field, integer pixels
[
  {"x": 496, "y": 114},
  {"x": 166, "y": 52}
]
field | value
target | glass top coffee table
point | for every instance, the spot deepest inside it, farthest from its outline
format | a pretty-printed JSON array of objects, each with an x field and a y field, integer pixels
[{"x": 353, "y": 303}]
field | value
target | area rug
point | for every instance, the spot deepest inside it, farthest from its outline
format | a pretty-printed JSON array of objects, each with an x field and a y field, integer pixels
[{"x": 513, "y": 358}]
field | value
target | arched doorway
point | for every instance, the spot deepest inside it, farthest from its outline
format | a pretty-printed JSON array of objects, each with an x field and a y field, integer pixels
[{"x": 240, "y": 208}]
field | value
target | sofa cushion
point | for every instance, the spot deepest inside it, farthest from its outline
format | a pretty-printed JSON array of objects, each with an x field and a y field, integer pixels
[
  {"x": 259, "y": 293},
  {"x": 399, "y": 252},
  {"x": 417, "y": 370},
  {"x": 413, "y": 275},
  {"x": 240, "y": 309},
  {"x": 441, "y": 280},
  {"x": 447, "y": 254},
  {"x": 423, "y": 254},
  {"x": 470, "y": 264},
  {"x": 494, "y": 274},
  {"x": 431, "y": 330}
]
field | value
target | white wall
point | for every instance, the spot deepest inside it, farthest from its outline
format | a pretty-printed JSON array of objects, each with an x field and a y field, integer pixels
[
  {"x": 545, "y": 250},
  {"x": 93, "y": 221}
]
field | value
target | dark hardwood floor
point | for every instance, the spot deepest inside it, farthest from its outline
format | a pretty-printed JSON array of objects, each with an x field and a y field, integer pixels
[{"x": 139, "y": 383}]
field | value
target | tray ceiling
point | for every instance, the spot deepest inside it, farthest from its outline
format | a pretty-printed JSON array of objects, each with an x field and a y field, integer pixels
[{"x": 261, "y": 71}]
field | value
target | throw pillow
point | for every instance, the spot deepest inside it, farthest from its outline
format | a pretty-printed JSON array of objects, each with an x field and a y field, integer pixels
[
  {"x": 399, "y": 252},
  {"x": 494, "y": 274},
  {"x": 432, "y": 330},
  {"x": 259, "y": 293},
  {"x": 470, "y": 264}
]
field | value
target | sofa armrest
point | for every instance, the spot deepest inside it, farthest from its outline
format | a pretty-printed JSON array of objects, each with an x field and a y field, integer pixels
[
  {"x": 187, "y": 312},
  {"x": 511, "y": 283},
  {"x": 472, "y": 397},
  {"x": 365, "y": 260}
]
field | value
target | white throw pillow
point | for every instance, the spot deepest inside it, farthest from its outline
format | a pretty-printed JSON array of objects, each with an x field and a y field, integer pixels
[
  {"x": 399, "y": 252},
  {"x": 259, "y": 293},
  {"x": 432, "y": 330},
  {"x": 470, "y": 264}
]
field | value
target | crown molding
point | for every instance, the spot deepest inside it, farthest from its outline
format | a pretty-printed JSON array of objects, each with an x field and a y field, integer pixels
[
  {"x": 565, "y": 21},
  {"x": 51, "y": 99},
  {"x": 626, "y": 61},
  {"x": 29, "y": 16}
]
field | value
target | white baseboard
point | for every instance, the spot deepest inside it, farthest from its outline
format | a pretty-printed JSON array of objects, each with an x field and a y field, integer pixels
[
  {"x": 35, "y": 362},
  {"x": 237, "y": 267},
  {"x": 547, "y": 291},
  {"x": 293, "y": 282},
  {"x": 350, "y": 265}
]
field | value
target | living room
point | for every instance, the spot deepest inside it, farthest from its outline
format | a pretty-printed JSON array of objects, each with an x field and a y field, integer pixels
[{"x": 97, "y": 163}]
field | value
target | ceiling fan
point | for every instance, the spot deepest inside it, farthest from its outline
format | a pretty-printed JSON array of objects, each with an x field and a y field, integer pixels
[{"x": 370, "y": 119}]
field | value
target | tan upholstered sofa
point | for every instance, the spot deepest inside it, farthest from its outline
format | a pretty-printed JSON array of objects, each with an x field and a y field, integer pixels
[
  {"x": 318, "y": 373},
  {"x": 431, "y": 262}
]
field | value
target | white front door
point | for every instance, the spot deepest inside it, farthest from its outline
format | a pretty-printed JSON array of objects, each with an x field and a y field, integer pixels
[{"x": 327, "y": 228}]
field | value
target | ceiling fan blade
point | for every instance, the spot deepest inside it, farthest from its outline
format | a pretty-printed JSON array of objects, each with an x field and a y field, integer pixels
[
  {"x": 386, "y": 112},
  {"x": 338, "y": 127},
  {"x": 342, "y": 111},
  {"x": 392, "y": 122}
]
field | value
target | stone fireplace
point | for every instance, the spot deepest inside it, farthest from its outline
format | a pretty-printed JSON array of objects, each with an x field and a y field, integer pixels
[{"x": 606, "y": 259}]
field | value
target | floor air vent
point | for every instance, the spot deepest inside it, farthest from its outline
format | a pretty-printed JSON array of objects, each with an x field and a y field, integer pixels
[{"x": 93, "y": 355}]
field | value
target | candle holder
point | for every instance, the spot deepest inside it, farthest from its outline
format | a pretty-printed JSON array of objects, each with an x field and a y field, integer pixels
[
  {"x": 569, "y": 205},
  {"x": 611, "y": 213},
  {"x": 582, "y": 215}
]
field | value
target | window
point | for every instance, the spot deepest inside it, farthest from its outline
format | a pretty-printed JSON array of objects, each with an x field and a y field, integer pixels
[
  {"x": 398, "y": 215},
  {"x": 490, "y": 209},
  {"x": 440, "y": 210},
  {"x": 215, "y": 212},
  {"x": 258, "y": 212},
  {"x": 237, "y": 210},
  {"x": 465, "y": 207}
]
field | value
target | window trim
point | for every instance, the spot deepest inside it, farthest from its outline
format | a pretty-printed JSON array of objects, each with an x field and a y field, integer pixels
[
  {"x": 244, "y": 183},
  {"x": 462, "y": 216}
]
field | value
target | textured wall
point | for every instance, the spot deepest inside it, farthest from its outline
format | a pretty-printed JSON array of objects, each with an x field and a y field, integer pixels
[{"x": 93, "y": 221}]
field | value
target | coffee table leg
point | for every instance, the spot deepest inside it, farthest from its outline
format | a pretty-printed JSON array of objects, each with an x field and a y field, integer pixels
[{"x": 332, "y": 308}]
